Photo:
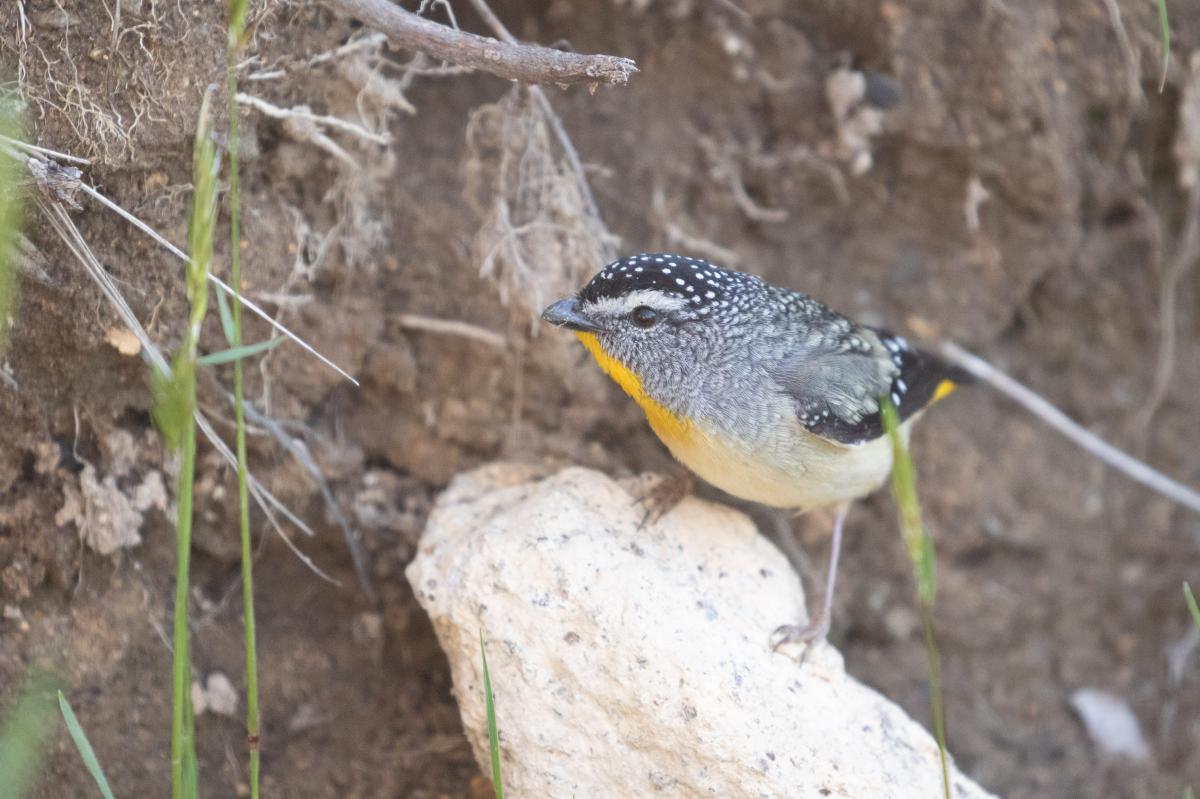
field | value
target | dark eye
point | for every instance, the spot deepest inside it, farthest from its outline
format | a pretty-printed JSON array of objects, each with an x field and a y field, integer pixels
[{"x": 644, "y": 316}]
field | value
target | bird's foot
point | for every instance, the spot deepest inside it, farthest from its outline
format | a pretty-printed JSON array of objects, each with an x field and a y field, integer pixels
[
  {"x": 663, "y": 496},
  {"x": 806, "y": 635}
]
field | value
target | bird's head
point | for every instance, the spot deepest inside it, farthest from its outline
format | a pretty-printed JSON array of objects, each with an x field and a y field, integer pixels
[{"x": 653, "y": 320}]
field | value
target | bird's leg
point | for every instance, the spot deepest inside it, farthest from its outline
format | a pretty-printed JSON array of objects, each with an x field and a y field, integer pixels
[
  {"x": 668, "y": 492},
  {"x": 815, "y": 631}
]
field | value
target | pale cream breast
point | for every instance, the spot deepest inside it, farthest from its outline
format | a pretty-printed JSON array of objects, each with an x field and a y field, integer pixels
[{"x": 805, "y": 472}]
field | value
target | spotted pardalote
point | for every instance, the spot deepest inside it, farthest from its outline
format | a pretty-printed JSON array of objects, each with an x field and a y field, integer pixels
[{"x": 764, "y": 392}]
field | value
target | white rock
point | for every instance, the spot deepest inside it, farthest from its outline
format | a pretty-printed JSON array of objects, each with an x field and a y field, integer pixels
[
  {"x": 636, "y": 663},
  {"x": 1109, "y": 722}
]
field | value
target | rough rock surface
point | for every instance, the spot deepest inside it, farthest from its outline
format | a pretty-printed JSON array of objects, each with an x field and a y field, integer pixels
[{"x": 635, "y": 663}]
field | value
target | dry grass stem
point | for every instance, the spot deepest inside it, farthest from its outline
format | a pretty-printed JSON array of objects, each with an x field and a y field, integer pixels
[
  {"x": 299, "y": 450},
  {"x": 33, "y": 148},
  {"x": 1063, "y": 424},
  {"x": 218, "y": 282}
]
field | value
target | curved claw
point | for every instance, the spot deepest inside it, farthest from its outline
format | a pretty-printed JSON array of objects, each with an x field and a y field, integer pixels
[
  {"x": 662, "y": 498},
  {"x": 808, "y": 634}
]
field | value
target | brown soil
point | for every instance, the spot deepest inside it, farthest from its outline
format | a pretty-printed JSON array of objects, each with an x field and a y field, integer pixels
[{"x": 1055, "y": 574}]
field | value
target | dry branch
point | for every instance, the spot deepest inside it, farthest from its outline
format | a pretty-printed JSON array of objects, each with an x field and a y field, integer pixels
[{"x": 527, "y": 63}]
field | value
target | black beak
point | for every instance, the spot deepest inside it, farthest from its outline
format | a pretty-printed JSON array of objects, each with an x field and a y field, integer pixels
[{"x": 566, "y": 313}]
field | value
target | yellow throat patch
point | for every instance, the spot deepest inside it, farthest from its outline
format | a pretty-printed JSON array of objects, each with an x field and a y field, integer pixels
[{"x": 669, "y": 427}]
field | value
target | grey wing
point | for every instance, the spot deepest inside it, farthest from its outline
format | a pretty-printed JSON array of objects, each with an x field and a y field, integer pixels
[{"x": 836, "y": 380}]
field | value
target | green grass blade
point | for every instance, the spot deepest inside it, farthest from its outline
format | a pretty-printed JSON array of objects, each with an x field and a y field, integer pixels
[
  {"x": 24, "y": 731},
  {"x": 170, "y": 407},
  {"x": 175, "y": 403},
  {"x": 191, "y": 768},
  {"x": 10, "y": 214},
  {"x": 226, "y": 317},
  {"x": 237, "y": 11},
  {"x": 84, "y": 746},
  {"x": 904, "y": 490},
  {"x": 1164, "y": 25},
  {"x": 921, "y": 553},
  {"x": 493, "y": 731},
  {"x": 238, "y": 353},
  {"x": 1193, "y": 608}
]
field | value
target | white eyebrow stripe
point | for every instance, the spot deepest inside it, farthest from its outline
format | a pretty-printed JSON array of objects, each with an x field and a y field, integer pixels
[{"x": 615, "y": 306}]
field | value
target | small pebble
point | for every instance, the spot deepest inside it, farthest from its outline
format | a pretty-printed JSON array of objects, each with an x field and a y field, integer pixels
[{"x": 1110, "y": 723}]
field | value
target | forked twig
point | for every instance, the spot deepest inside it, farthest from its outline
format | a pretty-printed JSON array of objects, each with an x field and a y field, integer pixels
[{"x": 1090, "y": 442}]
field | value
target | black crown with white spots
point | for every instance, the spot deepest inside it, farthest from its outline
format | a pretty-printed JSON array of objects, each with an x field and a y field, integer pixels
[{"x": 704, "y": 286}]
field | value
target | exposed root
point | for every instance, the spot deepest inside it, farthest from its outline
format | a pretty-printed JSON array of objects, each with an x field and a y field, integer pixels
[
  {"x": 371, "y": 44},
  {"x": 725, "y": 169},
  {"x": 667, "y": 219},
  {"x": 301, "y": 124},
  {"x": 729, "y": 162},
  {"x": 90, "y": 112},
  {"x": 541, "y": 234},
  {"x": 305, "y": 114},
  {"x": 1187, "y": 253},
  {"x": 801, "y": 155},
  {"x": 976, "y": 195},
  {"x": 544, "y": 231},
  {"x": 452, "y": 327},
  {"x": 1133, "y": 70}
]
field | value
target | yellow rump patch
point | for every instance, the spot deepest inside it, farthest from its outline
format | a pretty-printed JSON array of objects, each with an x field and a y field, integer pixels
[
  {"x": 669, "y": 427},
  {"x": 943, "y": 388}
]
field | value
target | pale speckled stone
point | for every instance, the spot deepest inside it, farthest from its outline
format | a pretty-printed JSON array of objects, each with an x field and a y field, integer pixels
[{"x": 636, "y": 663}]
